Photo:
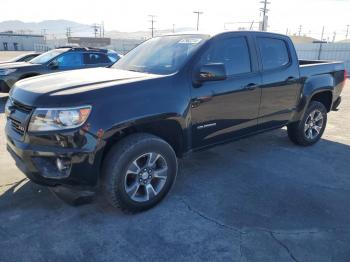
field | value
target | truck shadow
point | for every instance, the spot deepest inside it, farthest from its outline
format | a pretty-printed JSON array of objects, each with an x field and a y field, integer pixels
[{"x": 259, "y": 182}]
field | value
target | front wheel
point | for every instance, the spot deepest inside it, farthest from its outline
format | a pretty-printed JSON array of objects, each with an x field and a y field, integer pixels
[
  {"x": 138, "y": 172},
  {"x": 310, "y": 128}
]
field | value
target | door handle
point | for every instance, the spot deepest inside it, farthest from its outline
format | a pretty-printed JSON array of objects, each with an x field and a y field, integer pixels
[
  {"x": 251, "y": 86},
  {"x": 197, "y": 101},
  {"x": 291, "y": 79}
]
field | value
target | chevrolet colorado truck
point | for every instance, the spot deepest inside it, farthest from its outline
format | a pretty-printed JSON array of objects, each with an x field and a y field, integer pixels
[{"x": 121, "y": 129}]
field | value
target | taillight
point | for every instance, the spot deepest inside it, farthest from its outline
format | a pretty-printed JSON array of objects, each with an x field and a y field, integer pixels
[{"x": 345, "y": 77}]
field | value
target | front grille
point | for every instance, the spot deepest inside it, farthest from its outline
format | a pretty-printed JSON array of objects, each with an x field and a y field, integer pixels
[
  {"x": 19, "y": 115},
  {"x": 21, "y": 107},
  {"x": 17, "y": 126}
]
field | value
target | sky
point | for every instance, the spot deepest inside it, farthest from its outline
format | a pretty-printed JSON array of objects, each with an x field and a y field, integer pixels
[{"x": 132, "y": 15}]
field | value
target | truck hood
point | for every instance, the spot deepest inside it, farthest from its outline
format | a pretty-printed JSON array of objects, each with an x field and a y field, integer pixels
[
  {"x": 16, "y": 65},
  {"x": 54, "y": 87}
]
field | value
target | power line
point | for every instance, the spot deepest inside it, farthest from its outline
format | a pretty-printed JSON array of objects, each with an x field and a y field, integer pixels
[
  {"x": 152, "y": 24},
  {"x": 198, "y": 13}
]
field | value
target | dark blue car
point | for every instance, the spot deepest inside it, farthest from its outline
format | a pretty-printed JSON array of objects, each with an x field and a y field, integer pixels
[{"x": 56, "y": 60}]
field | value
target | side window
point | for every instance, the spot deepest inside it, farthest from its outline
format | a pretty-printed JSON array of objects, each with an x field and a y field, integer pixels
[
  {"x": 95, "y": 58},
  {"x": 113, "y": 57},
  {"x": 232, "y": 52},
  {"x": 274, "y": 52},
  {"x": 70, "y": 60}
]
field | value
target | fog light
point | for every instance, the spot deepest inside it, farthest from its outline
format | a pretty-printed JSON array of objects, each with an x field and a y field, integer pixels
[{"x": 63, "y": 164}]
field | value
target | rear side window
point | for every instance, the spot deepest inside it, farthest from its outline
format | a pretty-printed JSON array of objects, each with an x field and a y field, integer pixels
[
  {"x": 95, "y": 58},
  {"x": 232, "y": 52},
  {"x": 69, "y": 60},
  {"x": 274, "y": 52}
]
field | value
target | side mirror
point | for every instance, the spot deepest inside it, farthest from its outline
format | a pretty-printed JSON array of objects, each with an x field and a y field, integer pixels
[
  {"x": 53, "y": 64},
  {"x": 212, "y": 72}
]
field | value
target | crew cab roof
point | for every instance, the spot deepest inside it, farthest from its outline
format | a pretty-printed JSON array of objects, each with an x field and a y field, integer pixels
[
  {"x": 216, "y": 33},
  {"x": 83, "y": 49}
]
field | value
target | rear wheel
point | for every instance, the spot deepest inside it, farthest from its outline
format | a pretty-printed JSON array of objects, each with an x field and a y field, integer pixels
[
  {"x": 138, "y": 172},
  {"x": 310, "y": 128}
]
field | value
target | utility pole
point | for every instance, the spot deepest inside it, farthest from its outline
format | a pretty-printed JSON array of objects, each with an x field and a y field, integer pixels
[
  {"x": 300, "y": 28},
  {"x": 68, "y": 32},
  {"x": 43, "y": 32},
  {"x": 347, "y": 32},
  {"x": 251, "y": 25},
  {"x": 173, "y": 28},
  {"x": 322, "y": 34},
  {"x": 264, "y": 11},
  {"x": 95, "y": 28},
  {"x": 334, "y": 36},
  {"x": 103, "y": 29},
  {"x": 152, "y": 23},
  {"x": 198, "y": 13},
  {"x": 287, "y": 31}
]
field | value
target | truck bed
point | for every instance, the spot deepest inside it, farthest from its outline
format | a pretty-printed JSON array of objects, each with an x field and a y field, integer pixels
[{"x": 317, "y": 67}]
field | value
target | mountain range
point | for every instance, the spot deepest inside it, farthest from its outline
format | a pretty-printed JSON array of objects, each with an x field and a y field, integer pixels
[{"x": 57, "y": 29}]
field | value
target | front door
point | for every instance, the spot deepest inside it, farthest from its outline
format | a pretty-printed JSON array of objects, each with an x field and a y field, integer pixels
[{"x": 226, "y": 109}]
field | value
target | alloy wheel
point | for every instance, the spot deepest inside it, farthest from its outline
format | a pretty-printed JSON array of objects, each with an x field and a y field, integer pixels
[
  {"x": 313, "y": 124},
  {"x": 146, "y": 177}
]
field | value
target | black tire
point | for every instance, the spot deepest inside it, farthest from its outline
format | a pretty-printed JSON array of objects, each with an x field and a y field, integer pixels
[
  {"x": 118, "y": 161},
  {"x": 296, "y": 131}
]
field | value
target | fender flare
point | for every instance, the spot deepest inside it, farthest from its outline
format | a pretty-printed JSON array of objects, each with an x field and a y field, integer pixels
[{"x": 312, "y": 86}]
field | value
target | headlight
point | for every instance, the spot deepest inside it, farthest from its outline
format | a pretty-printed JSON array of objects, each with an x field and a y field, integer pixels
[
  {"x": 5, "y": 72},
  {"x": 48, "y": 119},
  {"x": 7, "y": 106}
]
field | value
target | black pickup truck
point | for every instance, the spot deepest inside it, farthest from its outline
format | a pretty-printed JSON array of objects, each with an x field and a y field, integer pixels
[{"x": 122, "y": 128}]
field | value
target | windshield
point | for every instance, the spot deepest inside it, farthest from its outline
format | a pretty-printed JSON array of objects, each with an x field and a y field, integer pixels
[
  {"x": 17, "y": 58},
  {"x": 45, "y": 57},
  {"x": 161, "y": 55}
]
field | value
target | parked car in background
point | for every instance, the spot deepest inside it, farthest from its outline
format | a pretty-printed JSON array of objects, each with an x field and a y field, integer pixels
[
  {"x": 22, "y": 58},
  {"x": 123, "y": 127},
  {"x": 59, "y": 59}
]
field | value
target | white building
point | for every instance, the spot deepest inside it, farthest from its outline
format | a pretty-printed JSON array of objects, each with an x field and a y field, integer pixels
[{"x": 10, "y": 41}]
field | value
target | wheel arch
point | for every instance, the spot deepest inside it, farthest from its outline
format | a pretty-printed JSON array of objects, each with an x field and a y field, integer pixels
[
  {"x": 316, "y": 88},
  {"x": 169, "y": 129}
]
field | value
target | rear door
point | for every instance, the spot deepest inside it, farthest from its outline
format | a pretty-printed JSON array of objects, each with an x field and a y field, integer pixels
[
  {"x": 70, "y": 61},
  {"x": 96, "y": 60},
  {"x": 223, "y": 110},
  {"x": 280, "y": 81}
]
